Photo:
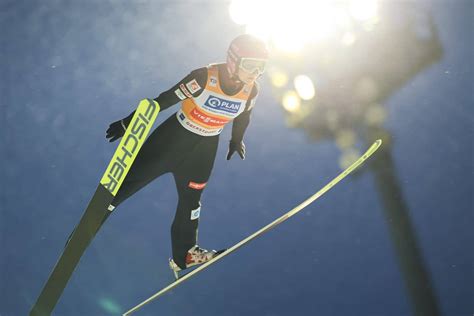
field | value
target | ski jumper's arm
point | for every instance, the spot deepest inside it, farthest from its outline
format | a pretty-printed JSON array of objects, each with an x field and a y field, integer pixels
[
  {"x": 178, "y": 92},
  {"x": 166, "y": 99},
  {"x": 241, "y": 122}
]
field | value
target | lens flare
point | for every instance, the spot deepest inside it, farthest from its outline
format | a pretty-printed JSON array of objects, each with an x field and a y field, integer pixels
[
  {"x": 278, "y": 78},
  {"x": 291, "y": 101},
  {"x": 304, "y": 86}
]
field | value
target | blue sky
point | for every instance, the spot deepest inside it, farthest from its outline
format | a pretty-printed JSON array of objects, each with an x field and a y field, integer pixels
[{"x": 70, "y": 69}]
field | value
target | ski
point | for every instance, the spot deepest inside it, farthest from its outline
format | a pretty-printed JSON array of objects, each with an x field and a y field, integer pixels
[
  {"x": 263, "y": 230},
  {"x": 98, "y": 208}
]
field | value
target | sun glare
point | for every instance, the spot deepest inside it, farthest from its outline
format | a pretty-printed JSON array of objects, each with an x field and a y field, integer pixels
[
  {"x": 290, "y": 25},
  {"x": 363, "y": 10},
  {"x": 237, "y": 12}
]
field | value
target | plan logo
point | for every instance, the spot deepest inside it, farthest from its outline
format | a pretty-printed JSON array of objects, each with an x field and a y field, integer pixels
[{"x": 219, "y": 104}]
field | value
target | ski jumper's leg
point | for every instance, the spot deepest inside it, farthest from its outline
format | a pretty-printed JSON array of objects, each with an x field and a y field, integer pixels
[
  {"x": 191, "y": 177},
  {"x": 149, "y": 164},
  {"x": 154, "y": 159}
]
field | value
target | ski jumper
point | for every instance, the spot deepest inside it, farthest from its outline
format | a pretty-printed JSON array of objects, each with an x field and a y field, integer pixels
[{"x": 186, "y": 145}]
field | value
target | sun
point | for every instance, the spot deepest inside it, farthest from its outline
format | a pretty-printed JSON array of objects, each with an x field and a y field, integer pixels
[{"x": 290, "y": 25}]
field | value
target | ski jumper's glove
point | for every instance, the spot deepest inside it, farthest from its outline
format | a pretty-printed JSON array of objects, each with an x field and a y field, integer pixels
[
  {"x": 238, "y": 147},
  {"x": 117, "y": 129},
  {"x": 236, "y": 143}
]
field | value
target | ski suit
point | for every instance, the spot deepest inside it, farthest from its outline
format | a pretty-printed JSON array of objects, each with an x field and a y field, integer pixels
[{"x": 186, "y": 144}]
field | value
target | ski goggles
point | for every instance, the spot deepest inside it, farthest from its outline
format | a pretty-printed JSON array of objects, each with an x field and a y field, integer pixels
[{"x": 253, "y": 64}]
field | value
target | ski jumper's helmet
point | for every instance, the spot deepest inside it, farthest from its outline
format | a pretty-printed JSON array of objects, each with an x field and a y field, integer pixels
[{"x": 244, "y": 46}]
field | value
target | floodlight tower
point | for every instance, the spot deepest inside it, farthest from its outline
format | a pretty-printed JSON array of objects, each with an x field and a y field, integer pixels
[{"x": 353, "y": 76}]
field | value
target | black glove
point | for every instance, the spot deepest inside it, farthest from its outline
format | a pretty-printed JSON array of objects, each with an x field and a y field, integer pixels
[
  {"x": 115, "y": 131},
  {"x": 238, "y": 147}
]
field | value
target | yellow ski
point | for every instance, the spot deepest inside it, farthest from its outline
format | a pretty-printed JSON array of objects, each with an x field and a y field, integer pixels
[
  {"x": 273, "y": 224},
  {"x": 97, "y": 208}
]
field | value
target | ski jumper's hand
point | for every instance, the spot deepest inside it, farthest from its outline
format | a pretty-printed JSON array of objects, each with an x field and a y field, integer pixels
[
  {"x": 238, "y": 147},
  {"x": 115, "y": 131}
]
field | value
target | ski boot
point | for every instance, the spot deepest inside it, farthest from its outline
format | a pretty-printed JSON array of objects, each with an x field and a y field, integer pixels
[{"x": 196, "y": 255}]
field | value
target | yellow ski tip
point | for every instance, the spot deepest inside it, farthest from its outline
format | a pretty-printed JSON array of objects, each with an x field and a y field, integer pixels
[{"x": 375, "y": 146}]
